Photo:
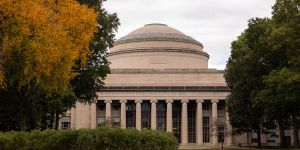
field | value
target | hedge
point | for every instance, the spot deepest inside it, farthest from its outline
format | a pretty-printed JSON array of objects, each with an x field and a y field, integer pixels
[{"x": 101, "y": 138}]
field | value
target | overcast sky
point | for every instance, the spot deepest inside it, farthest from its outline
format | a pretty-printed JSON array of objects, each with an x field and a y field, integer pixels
[{"x": 214, "y": 23}]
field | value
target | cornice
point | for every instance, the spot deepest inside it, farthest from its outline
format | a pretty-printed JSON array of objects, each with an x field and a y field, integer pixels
[
  {"x": 166, "y": 71},
  {"x": 164, "y": 88},
  {"x": 158, "y": 49}
]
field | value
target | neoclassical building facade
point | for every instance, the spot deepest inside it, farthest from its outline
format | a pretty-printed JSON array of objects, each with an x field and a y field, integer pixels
[{"x": 160, "y": 80}]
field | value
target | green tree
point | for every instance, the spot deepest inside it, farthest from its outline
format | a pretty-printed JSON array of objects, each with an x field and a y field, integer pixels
[
  {"x": 263, "y": 71},
  {"x": 243, "y": 74},
  {"x": 90, "y": 77},
  {"x": 281, "y": 93}
]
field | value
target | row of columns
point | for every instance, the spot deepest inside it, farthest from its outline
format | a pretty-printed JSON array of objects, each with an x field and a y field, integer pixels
[{"x": 169, "y": 122}]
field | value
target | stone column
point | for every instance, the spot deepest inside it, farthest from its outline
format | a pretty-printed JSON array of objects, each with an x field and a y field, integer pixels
[
  {"x": 138, "y": 114},
  {"x": 199, "y": 125},
  {"x": 123, "y": 114},
  {"x": 228, "y": 130},
  {"x": 184, "y": 122},
  {"x": 153, "y": 114},
  {"x": 108, "y": 111},
  {"x": 78, "y": 106},
  {"x": 94, "y": 115},
  {"x": 214, "y": 115},
  {"x": 73, "y": 117},
  {"x": 169, "y": 116}
]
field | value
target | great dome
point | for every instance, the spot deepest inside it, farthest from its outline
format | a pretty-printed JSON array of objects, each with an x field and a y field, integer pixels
[
  {"x": 157, "y": 46},
  {"x": 157, "y": 32}
]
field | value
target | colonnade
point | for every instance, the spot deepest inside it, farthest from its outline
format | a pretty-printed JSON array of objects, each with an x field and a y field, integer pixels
[{"x": 169, "y": 121}]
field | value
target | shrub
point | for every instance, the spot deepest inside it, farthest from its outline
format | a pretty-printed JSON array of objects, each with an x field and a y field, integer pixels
[{"x": 101, "y": 138}]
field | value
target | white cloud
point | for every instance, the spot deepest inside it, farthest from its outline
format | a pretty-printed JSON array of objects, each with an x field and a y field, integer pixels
[{"x": 215, "y": 23}]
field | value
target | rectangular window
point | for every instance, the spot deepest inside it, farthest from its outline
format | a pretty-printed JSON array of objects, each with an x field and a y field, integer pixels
[
  {"x": 221, "y": 106},
  {"x": 271, "y": 136},
  {"x": 65, "y": 122},
  {"x": 146, "y": 115},
  {"x": 116, "y": 121},
  {"x": 161, "y": 116},
  {"x": 177, "y": 119},
  {"x": 130, "y": 114},
  {"x": 206, "y": 106},
  {"x": 192, "y": 122},
  {"x": 206, "y": 129},
  {"x": 221, "y": 133},
  {"x": 101, "y": 105},
  {"x": 286, "y": 125},
  {"x": 115, "y": 107},
  {"x": 101, "y": 121},
  {"x": 254, "y": 137},
  {"x": 65, "y": 125},
  {"x": 221, "y": 120}
]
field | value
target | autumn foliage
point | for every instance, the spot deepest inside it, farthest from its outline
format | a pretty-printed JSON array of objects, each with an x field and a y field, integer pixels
[{"x": 41, "y": 41}]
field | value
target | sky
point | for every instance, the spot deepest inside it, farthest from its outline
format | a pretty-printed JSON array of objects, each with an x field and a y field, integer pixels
[{"x": 214, "y": 23}]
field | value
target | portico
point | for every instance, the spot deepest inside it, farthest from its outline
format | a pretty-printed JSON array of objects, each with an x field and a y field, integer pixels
[{"x": 160, "y": 112}]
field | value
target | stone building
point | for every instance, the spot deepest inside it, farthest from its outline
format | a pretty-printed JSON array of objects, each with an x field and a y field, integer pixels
[{"x": 160, "y": 80}]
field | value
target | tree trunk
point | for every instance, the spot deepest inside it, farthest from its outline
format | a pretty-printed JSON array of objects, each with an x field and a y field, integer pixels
[
  {"x": 281, "y": 134},
  {"x": 22, "y": 123},
  {"x": 295, "y": 130},
  {"x": 51, "y": 120},
  {"x": 258, "y": 138},
  {"x": 56, "y": 120},
  {"x": 44, "y": 125}
]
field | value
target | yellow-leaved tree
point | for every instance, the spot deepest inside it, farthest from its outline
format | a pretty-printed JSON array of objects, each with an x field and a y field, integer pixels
[{"x": 40, "y": 41}]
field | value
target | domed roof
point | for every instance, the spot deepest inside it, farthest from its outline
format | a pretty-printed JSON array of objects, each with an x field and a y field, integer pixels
[
  {"x": 157, "y": 46},
  {"x": 157, "y": 32}
]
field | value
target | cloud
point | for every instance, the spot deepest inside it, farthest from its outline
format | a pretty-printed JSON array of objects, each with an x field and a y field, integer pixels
[{"x": 215, "y": 23}]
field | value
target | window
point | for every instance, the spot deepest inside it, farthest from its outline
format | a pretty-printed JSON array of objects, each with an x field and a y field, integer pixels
[
  {"x": 161, "y": 116},
  {"x": 101, "y": 105},
  {"x": 146, "y": 114},
  {"x": 116, "y": 121},
  {"x": 221, "y": 105},
  {"x": 115, "y": 107},
  {"x": 254, "y": 137},
  {"x": 65, "y": 125},
  {"x": 271, "y": 136},
  {"x": 177, "y": 119},
  {"x": 206, "y": 129},
  {"x": 101, "y": 121},
  {"x": 130, "y": 114},
  {"x": 286, "y": 125},
  {"x": 221, "y": 133},
  {"x": 205, "y": 106},
  {"x": 221, "y": 120},
  {"x": 192, "y": 122},
  {"x": 65, "y": 122}
]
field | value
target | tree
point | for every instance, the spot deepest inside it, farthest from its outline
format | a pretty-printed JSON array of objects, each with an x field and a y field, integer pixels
[
  {"x": 40, "y": 49},
  {"x": 281, "y": 99},
  {"x": 243, "y": 74},
  {"x": 263, "y": 71},
  {"x": 281, "y": 94},
  {"x": 90, "y": 77}
]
